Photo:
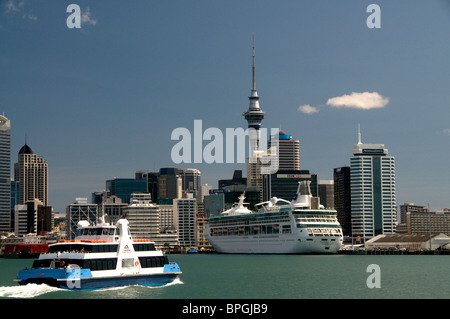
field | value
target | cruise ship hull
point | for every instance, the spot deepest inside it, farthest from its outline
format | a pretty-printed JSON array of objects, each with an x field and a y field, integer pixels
[{"x": 276, "y": 245}]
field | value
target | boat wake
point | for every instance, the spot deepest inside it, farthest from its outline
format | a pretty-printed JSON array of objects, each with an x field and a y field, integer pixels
[
  {"x": 176, "y": 281},
  {"x": 26, "y": 291}
]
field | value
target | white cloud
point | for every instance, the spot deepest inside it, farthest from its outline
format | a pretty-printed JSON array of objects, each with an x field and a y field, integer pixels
[
  {"x": 11, "y": 6},
  {"x": 29, "y": 16},
  {"x": 363, "y": 101},
  {"x": 86, "y": 17},
  {"x": 308, "y": 109}
]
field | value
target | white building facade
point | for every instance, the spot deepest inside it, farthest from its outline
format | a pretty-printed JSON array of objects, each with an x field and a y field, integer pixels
[
  {"x": 373, "y": 197},
  {"x": 185, "y": 212}
]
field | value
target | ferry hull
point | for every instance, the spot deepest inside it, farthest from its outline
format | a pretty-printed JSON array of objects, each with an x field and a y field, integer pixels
[{"x": 82, "y": 279}]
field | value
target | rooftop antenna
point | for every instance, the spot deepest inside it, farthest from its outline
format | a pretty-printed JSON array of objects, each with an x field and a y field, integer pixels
[{"x": 359, "y": 134}]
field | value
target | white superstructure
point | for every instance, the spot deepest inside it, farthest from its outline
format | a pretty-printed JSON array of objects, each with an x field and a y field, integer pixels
[{"x": 279, "y": 227}]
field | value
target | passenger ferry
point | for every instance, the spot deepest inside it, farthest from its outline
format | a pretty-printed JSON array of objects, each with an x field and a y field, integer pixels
[
  {"x": 302, "y": 226},
  {"x": 101, "y": 256}
]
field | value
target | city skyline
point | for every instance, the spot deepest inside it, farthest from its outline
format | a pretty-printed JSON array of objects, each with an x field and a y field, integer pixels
[{"x": 101, "y": 102}]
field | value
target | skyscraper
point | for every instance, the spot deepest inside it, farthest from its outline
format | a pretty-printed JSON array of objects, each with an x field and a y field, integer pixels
[
  {"x": 288, "y": 151},
  {"x": 169, "y": 183},
  {"x": 342, "y": 198},
  {"x": 372, "y": 183},
  {"x": 191, "y": 182},
  {"x": 5, "y": 174},
  {"x": 31, "y": 171}
]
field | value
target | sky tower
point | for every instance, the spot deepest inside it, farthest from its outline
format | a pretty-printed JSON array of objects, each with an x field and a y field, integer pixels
[{"x": 254, "y": 114}]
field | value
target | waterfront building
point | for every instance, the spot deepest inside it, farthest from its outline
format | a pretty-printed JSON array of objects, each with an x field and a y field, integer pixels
[
  {"x": 233, "y": 192},
  {"x": 408, "y": 242},
  {"x": 44, "y": 219},
  {"x": 169, "y": 183},
  {"x": 284, "y": 184},
  {"x": 152, "y": 182},
  {"x": 5, "y": 174},
  {"x": 185, "y": 213},
  {"x": 26, "y": 217},
  {"x": 166, "y": 217},
  {"x": 288, "y": 151},
  {"x": 372, "y": 183},
  {"x": 425, "y": 222},
  {"x": 31, "y": 171},
  {"x": 214, "y": 204},
  {"x": 143, "y": 216},
  {"x": 409, "y": 207},
  {"x": 191, "y": 182},
  {"x": 124, "y": 187},
  {"x": 111, "y": 208},
  {"x": 80, "y": 210},
  {"x": 205, "y": 191},
  {"x": 14, "y": 200},
  {"x": 236, "y": 180},
  {"x": 326, "y": 193},
  {"x": 202, "y": 242},
  {"x": 342, "y": 198}
]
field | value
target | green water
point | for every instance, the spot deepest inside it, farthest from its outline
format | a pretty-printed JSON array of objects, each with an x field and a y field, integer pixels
[{"x": 267, "y": 277}]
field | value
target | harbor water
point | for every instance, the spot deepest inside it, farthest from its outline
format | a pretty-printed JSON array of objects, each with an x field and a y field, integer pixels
[{"x": 247, "y": 277}]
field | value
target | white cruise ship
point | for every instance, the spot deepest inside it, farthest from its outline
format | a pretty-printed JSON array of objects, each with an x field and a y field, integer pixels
[
  {"x": 101, "y": 256},
  {"x": 302, "y": 226}
]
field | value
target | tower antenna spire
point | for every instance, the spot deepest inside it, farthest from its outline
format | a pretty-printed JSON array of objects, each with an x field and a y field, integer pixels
[{"x": 253, "y": 65}]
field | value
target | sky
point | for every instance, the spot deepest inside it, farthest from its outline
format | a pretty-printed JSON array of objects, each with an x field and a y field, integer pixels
[{"x": 102, "y": 101}]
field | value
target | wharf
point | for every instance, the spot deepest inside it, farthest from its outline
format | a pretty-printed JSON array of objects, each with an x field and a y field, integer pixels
[{"x": 394, "y": 252}]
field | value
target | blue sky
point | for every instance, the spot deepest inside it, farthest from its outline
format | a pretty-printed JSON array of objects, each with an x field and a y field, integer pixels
[{"x": 101, "y": 101}]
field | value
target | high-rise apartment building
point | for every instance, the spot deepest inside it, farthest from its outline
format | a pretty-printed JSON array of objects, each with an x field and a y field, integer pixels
[
  {"x": 31, "y": 171},
  {"x": 185, "y": 213},
  {"x": 143, "y": 216},
  {"x": 372, "y": 182},
  {"x": 5, "y": 174},
  {"x": 288, "y": 151}
]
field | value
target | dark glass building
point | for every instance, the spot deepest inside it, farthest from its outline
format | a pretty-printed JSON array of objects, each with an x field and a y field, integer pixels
[
  {"x": 284, "y": 184},
  {"x": 342, "y": 198},
  {"x": 124, "y": 187}
]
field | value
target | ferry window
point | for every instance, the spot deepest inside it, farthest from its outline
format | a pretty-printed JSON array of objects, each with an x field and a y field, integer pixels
[
  {"x": 111, "y": 231},
  {"x": 118, "y": 231},
  {"x": 105, "y": 231},
  {"x": 127, "y": 263}
]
